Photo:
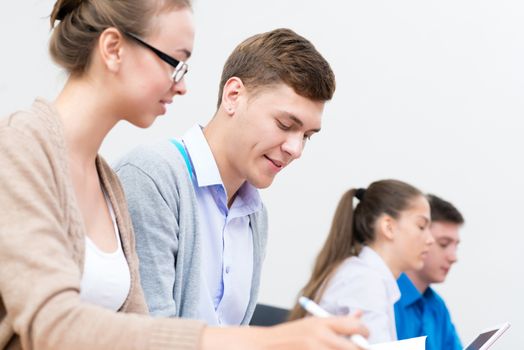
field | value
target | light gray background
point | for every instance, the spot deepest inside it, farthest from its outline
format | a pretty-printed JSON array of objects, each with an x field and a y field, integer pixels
[{"x": 429, "y": 92}]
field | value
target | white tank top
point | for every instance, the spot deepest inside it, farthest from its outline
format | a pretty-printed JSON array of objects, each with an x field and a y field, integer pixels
[{"x": 106, "y": 280}]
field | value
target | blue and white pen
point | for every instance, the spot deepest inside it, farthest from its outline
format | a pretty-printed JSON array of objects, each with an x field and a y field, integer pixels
[{"x": 315, "y": 310}]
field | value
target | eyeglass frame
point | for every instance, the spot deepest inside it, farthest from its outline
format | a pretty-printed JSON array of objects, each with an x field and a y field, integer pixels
[{"x": 181, "y": 67}]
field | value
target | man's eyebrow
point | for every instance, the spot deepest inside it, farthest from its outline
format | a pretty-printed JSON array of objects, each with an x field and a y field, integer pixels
[
  {"x": 296, "y": 120},
  {"x": 426, "y": 220},
  {"x": 448, "y": 239},
  {"x": 299, "y": 122}
]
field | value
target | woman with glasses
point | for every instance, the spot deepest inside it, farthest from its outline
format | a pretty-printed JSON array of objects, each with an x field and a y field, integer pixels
[{"x": 69, "y": 272}]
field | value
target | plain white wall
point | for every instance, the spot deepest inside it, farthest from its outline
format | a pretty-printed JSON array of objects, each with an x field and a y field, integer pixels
[{"x": 429, "y": 92}]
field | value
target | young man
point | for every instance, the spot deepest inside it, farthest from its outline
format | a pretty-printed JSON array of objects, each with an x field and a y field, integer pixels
[
  {"x": 420, "y": 310},
  {"x": 200, "y": 224}
]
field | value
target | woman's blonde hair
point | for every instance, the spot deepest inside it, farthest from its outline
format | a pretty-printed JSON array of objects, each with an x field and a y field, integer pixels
[{"x": 80, "y": 22}]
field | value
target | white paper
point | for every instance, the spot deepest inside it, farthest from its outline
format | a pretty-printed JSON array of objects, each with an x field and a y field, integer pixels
[{"x": 418, "y": 343}]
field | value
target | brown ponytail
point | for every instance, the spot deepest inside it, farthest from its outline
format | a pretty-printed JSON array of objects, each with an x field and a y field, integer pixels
[
  {"x": 352, "y": 228},
  {"x": 339, "y": 245}
]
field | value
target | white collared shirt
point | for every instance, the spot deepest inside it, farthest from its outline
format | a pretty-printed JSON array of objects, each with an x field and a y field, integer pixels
[
  {"x": 227, "y": 237},
  {"x": 365, "y": 282}
]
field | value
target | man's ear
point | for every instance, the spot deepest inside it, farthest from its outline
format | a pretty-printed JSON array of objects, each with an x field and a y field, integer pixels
[
  {"x": 233, "y": 90},
  {"x": 111, "y": 47},
  {"x": 386, "y": 225}
]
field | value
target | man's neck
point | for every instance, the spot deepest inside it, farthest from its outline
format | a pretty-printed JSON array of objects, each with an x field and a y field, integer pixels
[
  {"x": 216, "y": 141},
  {"x": 420, "y": 284}
]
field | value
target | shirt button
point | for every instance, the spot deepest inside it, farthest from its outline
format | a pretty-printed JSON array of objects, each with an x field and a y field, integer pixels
[{"x": 227, "y": 269}]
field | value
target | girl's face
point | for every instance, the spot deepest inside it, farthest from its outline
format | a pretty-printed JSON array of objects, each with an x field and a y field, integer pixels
[
  {"x": 147, "y": 83},
  {"x": 411, "y": 235}
]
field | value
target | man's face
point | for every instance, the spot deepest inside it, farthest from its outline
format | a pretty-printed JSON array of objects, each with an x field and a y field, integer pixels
[
  {"x": 271, "y": 129},
  {"x": 442, "y": 254}
]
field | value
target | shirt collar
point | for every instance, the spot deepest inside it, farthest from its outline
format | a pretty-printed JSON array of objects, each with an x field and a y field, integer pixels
[
  {"x": 370, "y": 257},
  {"x": 410, "y": 293},
  {"x": 429, "y": 293},
  {"x": 204, "y": 164},
  {"x": 247, "y": 200},
  {"x": 207, "y": 174}
]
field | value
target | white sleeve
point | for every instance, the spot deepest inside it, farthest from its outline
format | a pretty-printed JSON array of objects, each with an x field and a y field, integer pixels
[{"x": 352, "y": 289}]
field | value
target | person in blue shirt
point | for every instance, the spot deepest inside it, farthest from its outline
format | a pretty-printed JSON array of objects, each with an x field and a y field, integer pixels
[{"x": 420, "y": 310}]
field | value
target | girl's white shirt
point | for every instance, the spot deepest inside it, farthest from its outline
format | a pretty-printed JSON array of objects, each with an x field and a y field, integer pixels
[{"x": 366, "y": 283}]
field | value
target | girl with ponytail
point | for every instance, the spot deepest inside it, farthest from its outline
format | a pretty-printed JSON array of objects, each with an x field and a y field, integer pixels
[{"x": 368, "y": 246}]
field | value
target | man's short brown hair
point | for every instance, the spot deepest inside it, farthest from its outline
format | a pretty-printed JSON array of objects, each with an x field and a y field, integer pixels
[
  {"x": 444, "y": 211},
  {"x": 280, "y": 56}
]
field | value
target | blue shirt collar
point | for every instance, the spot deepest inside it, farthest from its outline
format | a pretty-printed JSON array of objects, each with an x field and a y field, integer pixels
[{"x": 410, "y": 293}]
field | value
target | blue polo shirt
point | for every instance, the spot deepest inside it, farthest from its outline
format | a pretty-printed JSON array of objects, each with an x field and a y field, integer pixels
[{"x": 424, "y": 314}]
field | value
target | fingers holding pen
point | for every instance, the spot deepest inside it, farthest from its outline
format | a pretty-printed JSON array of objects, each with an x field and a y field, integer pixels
[
  {"x": 320, "y": 333},
  {"x": 310, "y": 333},
  {"x": 345, "y": 328}
]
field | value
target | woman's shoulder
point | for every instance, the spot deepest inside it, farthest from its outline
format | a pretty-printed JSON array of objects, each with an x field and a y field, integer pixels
[
  {"x": 354, "y": 276},
  {"x": 35, "y": 138},
  {"x": 357, "y": 268},
  {"x": 354, "y": 285},
  {"x": 38, "y": 124}
]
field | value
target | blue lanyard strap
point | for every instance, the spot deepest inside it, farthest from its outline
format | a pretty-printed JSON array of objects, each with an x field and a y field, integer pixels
[{"x": 183, "y": 151}]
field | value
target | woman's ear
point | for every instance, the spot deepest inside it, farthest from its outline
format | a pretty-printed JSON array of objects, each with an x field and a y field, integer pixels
[
  {"x": 110, "y": 48},
  {"x": 386, "y": 226},
  {"x": 233, "y": 90}
]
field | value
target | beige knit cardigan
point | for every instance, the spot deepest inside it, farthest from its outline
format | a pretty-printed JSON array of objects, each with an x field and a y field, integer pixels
[{"x": 42, "y": 243}]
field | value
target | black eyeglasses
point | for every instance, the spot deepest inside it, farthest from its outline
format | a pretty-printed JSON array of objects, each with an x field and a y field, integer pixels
[{"x": 181, "y": 67}]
